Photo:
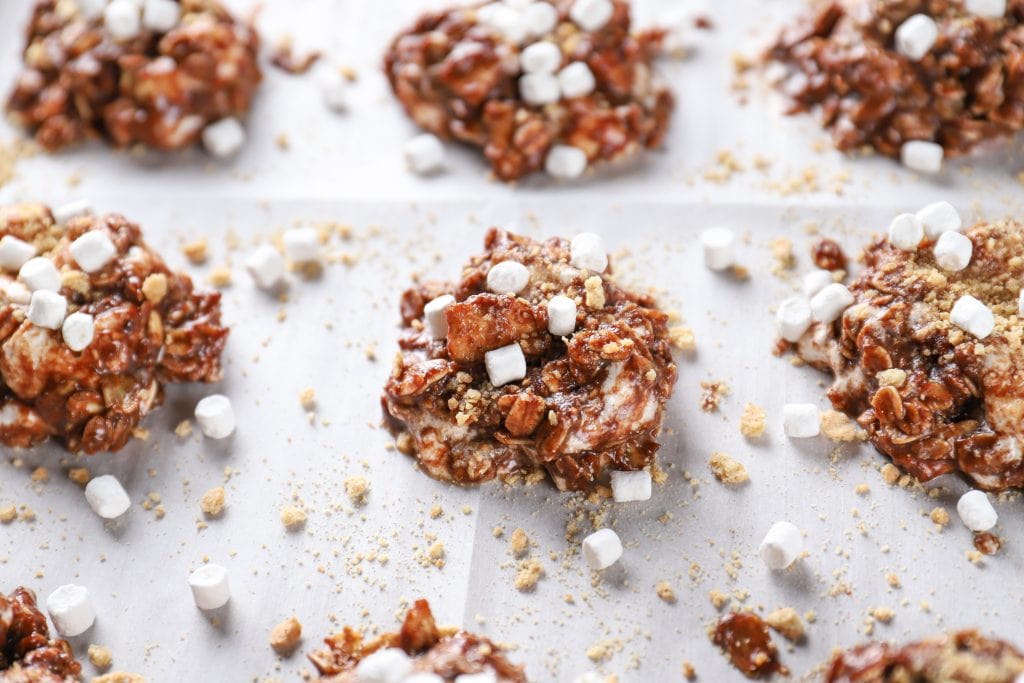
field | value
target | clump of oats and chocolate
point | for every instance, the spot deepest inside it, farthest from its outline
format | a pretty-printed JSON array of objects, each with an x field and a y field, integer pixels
[{"x": 27, "y": 653}]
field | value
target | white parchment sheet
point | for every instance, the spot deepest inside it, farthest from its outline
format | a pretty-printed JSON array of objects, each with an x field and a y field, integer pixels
[{"x": 348, "y": 168}]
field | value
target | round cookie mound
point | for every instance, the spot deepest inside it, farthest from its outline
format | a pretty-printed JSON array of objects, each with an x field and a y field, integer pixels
[
  {"x": 152, "y": 79},
  {"x": 584, "y": 403},
  {"x": 27, "y": 654},
  {"x": 420, "y": 647},
  {"x": 931, "y": 395},
  {"x": 962, "y": 656}
]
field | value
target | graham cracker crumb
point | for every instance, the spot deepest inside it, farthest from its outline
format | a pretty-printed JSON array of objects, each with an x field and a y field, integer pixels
[
  {"x": 594, "y": 288},
  {"x": 665, "y": 592},
  {"x": 307, "y": 398},
  {"x": 786, "y": 622},
  {"x": 357, "y": 489},
  {"x": 212, "y": 503},
  {"x": 689, "y": 672},
  {"x": 727, "y": 470},
  {"x": 530, "y": 572},
  {"x": 682, "y": 338},
  {"x": 890, "y": 473},
  {"x": 100, "y": 657},
  {"x": 939, "y": 517},
  {"x": 752, "y": 422},
  {"x": 195, "y": 251},
  {"x": 711, "y": 393},
  {"x": 519, "y": 544},
  {"x": 286, "y": 636},
  {"x": 839, "y": 427},
  {"x": 154, "y": 288},
  {"x": 292, "y": 517}
]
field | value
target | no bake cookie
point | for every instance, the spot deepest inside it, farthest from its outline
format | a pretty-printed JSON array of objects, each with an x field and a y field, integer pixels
[
  {"x": 559, "y": 85},
  {"x": 534, "y": 359},
  {"x": 881, "y": 73},
  {"x": 93, "y": 325},
  {"x": 27, "y": 653},
  {"x": 420, "y": 647},
  {"x": 156, "y": 73}
]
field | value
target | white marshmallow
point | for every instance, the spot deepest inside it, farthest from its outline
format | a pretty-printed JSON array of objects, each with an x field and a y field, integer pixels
[
  {"x": 160, "y": 16},
  {"x": 390, "y": 665},
  {"x": 423, "y": 677},
  {"x": 587, "y": 252},
  {"x": 953, "y": 251},
  {"x": 91, "y": 9},
  {"x": 540, "y": 18},
  {"x": 972, "y": 316},
  {"x": 334, "y": 88},
  {"x": 78, "y": 330},
  {"x": 992, "y": 9},
  {"x": 265, "y": 266},
  {"x": 719, "y": 248},
  {"x": 539, "y": 89},
  {"x": 302, "y": 245},
  {"x": 482, "y": 677},
  {"x": 922, "y": 156},
  {"x": 122, "y": 20},
  {"x": 210, "y": 588},
  {"x": 93, "y": 250},
  {"x": 793, "y": 318},
  {"x": 916, "y": 36},
  {"x": 71, "y": 610},
  {"x": 40, "y": 273},
  {"x": 225, "y": 138},
  {"x": 543, "y": 57},
  {"x": 434, "y": 315},
  {"x": 602, "y": 549},
  {"x": 424, "y": 154},
  {"x": 631, "y": 486},
  {"x": 504, "y": 365},
  {"x": 508, "y": 277},
  {"x": 939, "y": 217},
  {"x": 14, "y": 253},
  {"x": 591, "y": 15},
  {"x": 215, "y": 416},
  {"x": 906, "y": 232},
  {"x": 65, "y": 212},
  {"x": 561, "y": 316},
  {"x": 47, "y": 309},
  {"x": 507, "y": 21},
  {"x": 801, "y": 420},
  {"x": 576, "y": 80},
  {"x": 817, "y": 280},
  {"x": 107, "y": 497},
  {"x": 565, "y": 162},
  {"x": 828, "y": 304},
  {"x": 782, "y": 545},
  {"x": 976, "y": 511}
]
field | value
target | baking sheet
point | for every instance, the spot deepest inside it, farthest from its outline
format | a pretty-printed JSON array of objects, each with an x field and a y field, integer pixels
[{"x": 361, "y": 565}]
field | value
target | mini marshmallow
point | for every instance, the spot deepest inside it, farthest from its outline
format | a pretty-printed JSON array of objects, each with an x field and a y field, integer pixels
[
  {"x": 922, "y": 156},
  {"x": 801, "y": 420},
  {"x": 561, "y": 316},
  {"x": 390, "y": 665},
  {"x": 434, "y": 315},
  {"x": 591, "y": 15},
  {"x": 47, "y": 309},
  {"x": 565, "y": 162},
  {"x": 93, "y": 250},
  {"x": 14, "y": 253},
  {"x": 39, "y": 273},
  {"x": 71, "y": 610},
  {"x": 78, "y": 330},
  {"x": 576, "y": 80},
  {"x": 508, "y": 21},
  {"x": 539, "y": 89},
  {"x": 587, "y": 252},
  {"x": 65, "y": 212},
  {"x": 939, "y": 217},
  {"x": 334, "y": 88},
  {"x": 817, "y": 280},
  {"x": 953, "y": 251},
  {"x": 782, "y": 545},
  {"x": 215, "y": 416},
  {"x": 992, "y": 9},
  {"x": 631, "y": 486},
  {"x": 541, "y": 58},
  {"x": 160, "y": 16},
  {"x": 976, "y": 512},
  {"x": 424, "y": 154},
  {"x": 906, "y": 232},
  {"x": 508, "y": 277},
  {"x": 504, "y": 365},
  {"x": 225, "y": 138},
  {"x": 828, "y": 304},
  {"x": 916, "y": 36},
  {"x": 793, "y": 318},
  {"x": 122, "y": 20},
  {"x": 107, "y": 497},
  {"x": 602, "y": 549},
  {"x": 92, "y": 9},
  {"x": 210, "y": 588},
  {"x": 482, "y": 677},
  {"x": 719, "y": 248},
  {"x": 265, "y": 266},
  {"x": 972, "y": 316},
  {"x": 540, "y": 18},
  {"x": 302, "y": 245}
]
